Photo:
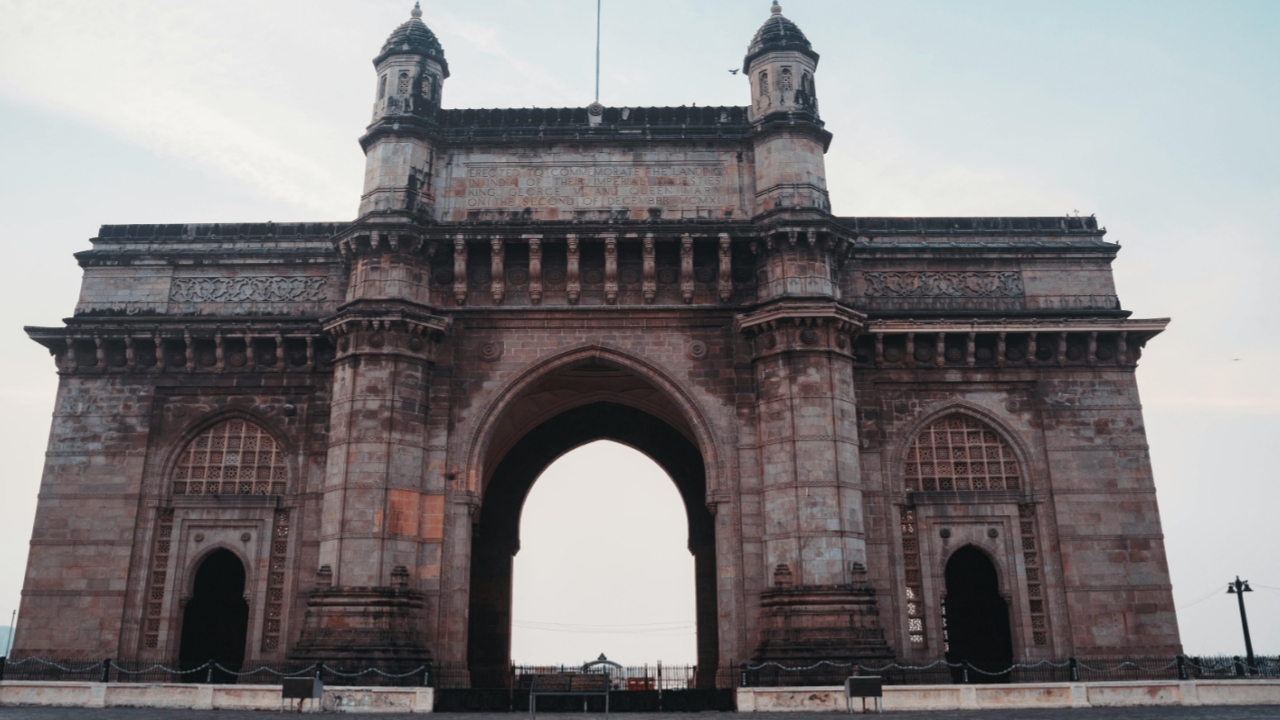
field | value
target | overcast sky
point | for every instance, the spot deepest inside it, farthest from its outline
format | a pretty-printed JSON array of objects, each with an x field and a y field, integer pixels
[{"x": 1160, "y": 117}]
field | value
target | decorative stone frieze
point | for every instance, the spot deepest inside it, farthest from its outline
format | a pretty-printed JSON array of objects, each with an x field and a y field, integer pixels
[
  {"x": 252, "y": 289},
  {"x": 943, "y": 284}
]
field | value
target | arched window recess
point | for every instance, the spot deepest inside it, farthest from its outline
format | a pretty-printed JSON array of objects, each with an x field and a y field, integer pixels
[
  {"x": 234, "y": 457},
  {"x": 959, "y": 453}
]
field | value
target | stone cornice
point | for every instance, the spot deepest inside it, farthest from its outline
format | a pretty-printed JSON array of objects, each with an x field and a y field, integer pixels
[
  {"x": 799, "y": 311},
  {"x": 1148, "y": 328}
]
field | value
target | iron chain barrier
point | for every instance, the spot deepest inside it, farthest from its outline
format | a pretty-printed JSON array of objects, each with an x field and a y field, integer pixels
[
  {"x": 942, "y": 672},
  {"x": 649, "y": 678}
]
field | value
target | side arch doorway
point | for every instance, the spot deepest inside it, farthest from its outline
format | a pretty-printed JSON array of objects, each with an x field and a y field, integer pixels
[
  {"x": 977, "y": 618},
  {"x": 496, "y": 534},
  {"x": 215, "y": 621}
]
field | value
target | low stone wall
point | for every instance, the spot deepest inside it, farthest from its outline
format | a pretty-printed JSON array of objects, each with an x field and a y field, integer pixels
[
  {"x": 210, "y": 697},
  {"x": 1020, "y": 696}
]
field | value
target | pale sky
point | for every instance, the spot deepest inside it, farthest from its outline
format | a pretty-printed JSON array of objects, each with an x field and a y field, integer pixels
[{"x": 1160, "y": 117}]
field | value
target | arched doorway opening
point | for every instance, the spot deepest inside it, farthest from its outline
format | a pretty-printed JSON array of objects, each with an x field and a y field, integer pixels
[
  {"x": 215, "y": 621},
  {"x": 526, "y": 446},
  {"x": 977, "y": 617},
  {"x": 604, "y": 563}
]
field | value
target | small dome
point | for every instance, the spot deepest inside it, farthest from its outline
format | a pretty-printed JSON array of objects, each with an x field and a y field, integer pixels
[
  {"x": 413, "y": 38},
  {"x": 777, "y": 33}
]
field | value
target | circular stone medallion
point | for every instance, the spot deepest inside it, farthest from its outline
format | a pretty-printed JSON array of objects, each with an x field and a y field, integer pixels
[
  {"x": 490, "y": 351},
  {"x": 668, "y": 276}
]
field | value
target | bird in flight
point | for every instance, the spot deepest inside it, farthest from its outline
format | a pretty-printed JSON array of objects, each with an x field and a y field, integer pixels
[{"x": 733, "y": 71}]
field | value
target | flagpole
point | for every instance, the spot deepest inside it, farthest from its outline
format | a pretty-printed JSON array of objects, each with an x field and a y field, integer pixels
[{"x": 597, "y": 51}]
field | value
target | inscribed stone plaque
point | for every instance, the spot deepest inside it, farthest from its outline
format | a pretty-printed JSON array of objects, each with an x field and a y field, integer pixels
[{"x": 562, "y": 186}]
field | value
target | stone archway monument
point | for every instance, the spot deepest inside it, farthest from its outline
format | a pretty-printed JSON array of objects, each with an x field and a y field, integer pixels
[{"x": 841, "y": 401}]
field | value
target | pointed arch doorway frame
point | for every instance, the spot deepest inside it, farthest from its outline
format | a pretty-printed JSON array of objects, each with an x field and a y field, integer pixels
[
  {"x": 215, "y": 621},
  {"x": 496, "y": 535}
]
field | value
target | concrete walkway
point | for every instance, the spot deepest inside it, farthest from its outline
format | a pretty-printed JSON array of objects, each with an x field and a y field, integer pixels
[{"x": 1131, "y": 713}]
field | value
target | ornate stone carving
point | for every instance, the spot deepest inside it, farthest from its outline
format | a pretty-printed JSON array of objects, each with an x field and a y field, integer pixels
[
  {"x": 247, "y": 289},
  {"x": 943, "y": 284},
  {"x": 491, "y": 351}
]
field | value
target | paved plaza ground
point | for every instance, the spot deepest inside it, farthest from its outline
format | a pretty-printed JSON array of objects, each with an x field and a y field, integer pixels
[{"x": 1147, "y": 713}]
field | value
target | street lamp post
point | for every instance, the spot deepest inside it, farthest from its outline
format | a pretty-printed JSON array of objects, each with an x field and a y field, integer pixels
[{"x": 1239, "y": 588}]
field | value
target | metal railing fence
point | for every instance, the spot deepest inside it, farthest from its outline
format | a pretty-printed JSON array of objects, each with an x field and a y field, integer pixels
[
  {"x": 660, "y": 679},
  {"x": 941, "y": 672}
]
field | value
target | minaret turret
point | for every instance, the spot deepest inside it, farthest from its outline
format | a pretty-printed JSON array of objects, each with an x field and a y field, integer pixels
[
  {"x": 780, "y": 66},
  {"x": 399, "y": 159},
  {"x": 780, "y": 63},
  {"x": 411, "y": 69}
]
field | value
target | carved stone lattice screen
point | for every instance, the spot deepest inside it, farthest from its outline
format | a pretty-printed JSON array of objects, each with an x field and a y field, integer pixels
[
  {"x": 231, "y": 458},
  {"x": 275, "y": 582},
  {"x": 915, "y": 583},
  {"x": 959, "y": 453},
  {"x": 155, "y": 595}
]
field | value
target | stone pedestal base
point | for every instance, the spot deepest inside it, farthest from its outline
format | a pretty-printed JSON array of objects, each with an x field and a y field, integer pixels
[
  {"x": 364, "y": 624},
  {"x": 802, "y": 625}
]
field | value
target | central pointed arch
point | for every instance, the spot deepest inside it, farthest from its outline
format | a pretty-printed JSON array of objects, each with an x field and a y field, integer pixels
[
  {"x": 568, "y": 401},
  {"x": 678, "y": 407}
]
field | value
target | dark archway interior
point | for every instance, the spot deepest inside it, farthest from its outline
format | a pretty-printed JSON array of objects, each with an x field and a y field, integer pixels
[
  {"x": 216, "y": 619},
  {"x": 977, "y": 617},
  {"x": 496, "y": 535}
]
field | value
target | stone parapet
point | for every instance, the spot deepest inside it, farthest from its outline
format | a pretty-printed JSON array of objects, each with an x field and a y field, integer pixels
[
  {"x": 210, "y": 697},
  {"x": 1020, "y": 696}
]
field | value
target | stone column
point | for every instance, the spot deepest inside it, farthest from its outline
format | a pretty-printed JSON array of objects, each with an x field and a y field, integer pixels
[
  {"x": 611, "y": 269},
  {"x": 725, "y": 286},
  {"x": 367, "y": 607},
  {"x": 649, "y": 284},
  {"x": 535, "y": 270},
  {"x": 572, "y": 285},
  {"x": 497, "y": 279},
  {"x": 820, "y": 606},
  {"x": 460, "y": 270},
  {"x": 686, "y": 268}
]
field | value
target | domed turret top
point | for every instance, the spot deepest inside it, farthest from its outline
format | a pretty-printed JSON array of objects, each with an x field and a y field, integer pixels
[
  {"x": 777, "y": 33},
  {"x": 413, "y": 38}
]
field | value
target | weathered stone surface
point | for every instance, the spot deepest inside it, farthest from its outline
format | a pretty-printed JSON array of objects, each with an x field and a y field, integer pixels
[{"x": 520, "y": 282}]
